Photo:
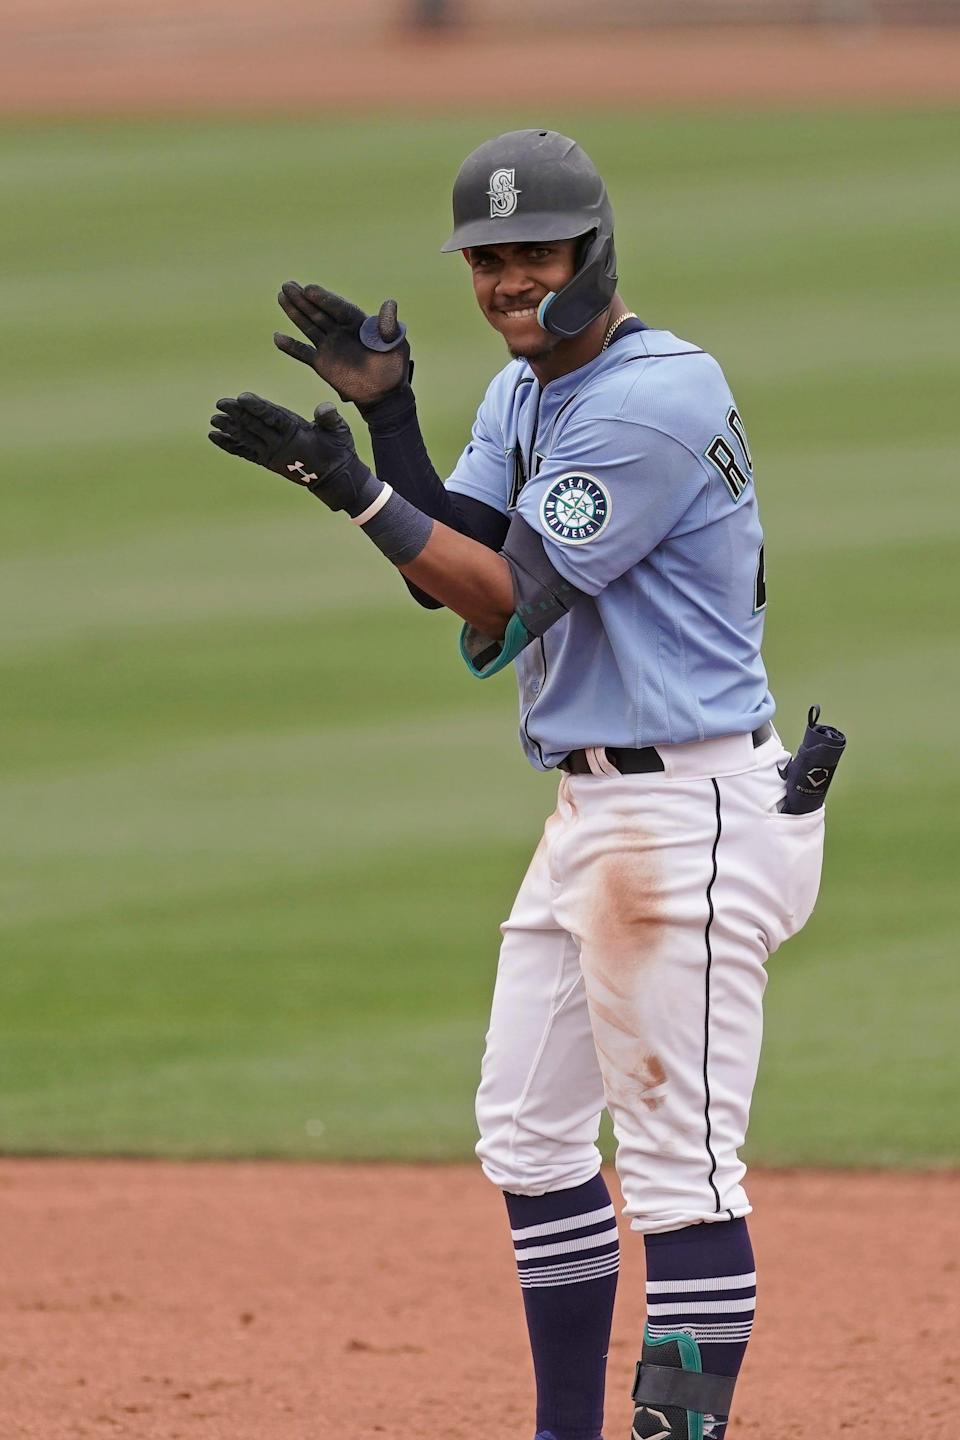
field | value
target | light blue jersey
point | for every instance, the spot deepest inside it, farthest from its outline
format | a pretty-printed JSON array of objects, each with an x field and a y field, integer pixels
[{"x": 635, "y": 470}]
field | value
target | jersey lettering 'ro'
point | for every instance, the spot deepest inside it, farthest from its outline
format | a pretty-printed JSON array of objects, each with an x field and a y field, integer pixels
[{"x": 636, "y": 471}]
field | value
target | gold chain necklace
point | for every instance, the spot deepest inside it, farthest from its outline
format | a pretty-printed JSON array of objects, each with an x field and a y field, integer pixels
[{"x": 629, "y": 315}]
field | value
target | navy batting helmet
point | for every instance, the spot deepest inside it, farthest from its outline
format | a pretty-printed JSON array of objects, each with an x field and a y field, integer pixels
[{"x": 531, "y": 185}]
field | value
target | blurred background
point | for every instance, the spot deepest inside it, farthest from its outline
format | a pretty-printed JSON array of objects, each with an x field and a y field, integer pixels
[{"x": 260, "y": 824}]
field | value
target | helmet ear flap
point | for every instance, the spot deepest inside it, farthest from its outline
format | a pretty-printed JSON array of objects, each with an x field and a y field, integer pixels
[
  {"x": 584, "y": 244},
  {"x": 567, "y": 311},
  {"x": 600, "y": 251}
]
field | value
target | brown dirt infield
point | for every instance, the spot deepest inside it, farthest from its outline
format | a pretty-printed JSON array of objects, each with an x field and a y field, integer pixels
[
  {"x": 269, "y": 1301},
  {"x": 78, "y": 57}
]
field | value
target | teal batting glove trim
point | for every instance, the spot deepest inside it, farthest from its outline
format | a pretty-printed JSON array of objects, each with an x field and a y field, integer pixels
[{"x": 485, "y": 657}]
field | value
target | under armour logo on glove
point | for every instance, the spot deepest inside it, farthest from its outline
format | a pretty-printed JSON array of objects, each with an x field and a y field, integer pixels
[
  {"x": 255, "y": 429},
  {"x": 303, "y": 476}
]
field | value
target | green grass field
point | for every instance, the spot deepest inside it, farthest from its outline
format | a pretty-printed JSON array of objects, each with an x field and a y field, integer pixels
[{"x": 260, "y": 825}]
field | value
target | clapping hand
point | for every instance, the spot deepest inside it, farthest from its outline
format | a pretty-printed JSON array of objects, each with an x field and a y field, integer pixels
[{"x": 363, "y": 357}]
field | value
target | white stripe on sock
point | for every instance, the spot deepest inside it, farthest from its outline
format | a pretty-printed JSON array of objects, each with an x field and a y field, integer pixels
[
  {"x": 565, "y": 1247},
  {"x": 569, "y": 1276},
  {"x": 572, "y": 1222},
  {"x": 702, "y": 1307},
  {"x": 705, "y": 1328},
  {"x": 571, "y": 1267},
  {"x": 544, "y": 1281},
  {"x": 717, "y": 1334},
  {"x": 556, "y": 1284},
  {"x": 716, "y": 1282}
]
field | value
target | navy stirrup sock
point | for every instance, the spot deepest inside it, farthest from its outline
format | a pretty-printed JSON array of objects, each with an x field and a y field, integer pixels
[
  {"x": 568, "y": 1255},
  {"x": 701, "y": 1281}
]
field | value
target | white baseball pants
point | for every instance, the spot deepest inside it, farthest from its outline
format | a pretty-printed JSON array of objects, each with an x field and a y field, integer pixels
[{"x": 631, "y": 977}]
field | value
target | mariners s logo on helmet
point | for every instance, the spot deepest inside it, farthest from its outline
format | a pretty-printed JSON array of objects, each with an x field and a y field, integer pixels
[
  {"x": 575, "y": 508},
  {"x": 503, "y": 194}
]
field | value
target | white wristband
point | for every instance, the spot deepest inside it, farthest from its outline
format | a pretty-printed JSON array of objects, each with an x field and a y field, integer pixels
[{"x": 375, "y": 508}]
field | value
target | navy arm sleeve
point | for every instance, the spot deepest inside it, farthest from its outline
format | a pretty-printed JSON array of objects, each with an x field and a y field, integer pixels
[{"x": 400, "y": 458}]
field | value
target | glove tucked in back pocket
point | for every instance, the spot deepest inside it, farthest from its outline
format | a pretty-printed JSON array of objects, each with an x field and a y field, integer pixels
[{"x": 808, "y": 774}]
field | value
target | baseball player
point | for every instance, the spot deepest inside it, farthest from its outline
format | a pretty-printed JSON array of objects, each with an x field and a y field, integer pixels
[{"x": 600, "y": 533}]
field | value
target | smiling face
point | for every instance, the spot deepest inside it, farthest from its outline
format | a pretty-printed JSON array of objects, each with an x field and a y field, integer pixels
[{"x": 509, "y": 282}]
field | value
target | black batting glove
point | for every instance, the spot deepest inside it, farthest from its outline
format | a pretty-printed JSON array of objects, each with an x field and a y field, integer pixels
[
  {"x": 319, "y": 455},
  {"x": 363, "y": 357}
]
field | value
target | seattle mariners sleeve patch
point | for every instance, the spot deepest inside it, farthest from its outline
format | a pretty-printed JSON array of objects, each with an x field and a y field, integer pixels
[{"x": 575, "y": 508}]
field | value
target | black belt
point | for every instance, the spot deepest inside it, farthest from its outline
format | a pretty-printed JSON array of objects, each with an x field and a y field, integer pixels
[{"x": 639, "y": 762}]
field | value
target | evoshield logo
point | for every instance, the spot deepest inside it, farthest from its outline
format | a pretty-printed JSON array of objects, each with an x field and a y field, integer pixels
[
  {"x": 503, "y": 194},
  {"x": 652, "y": 1421}
]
